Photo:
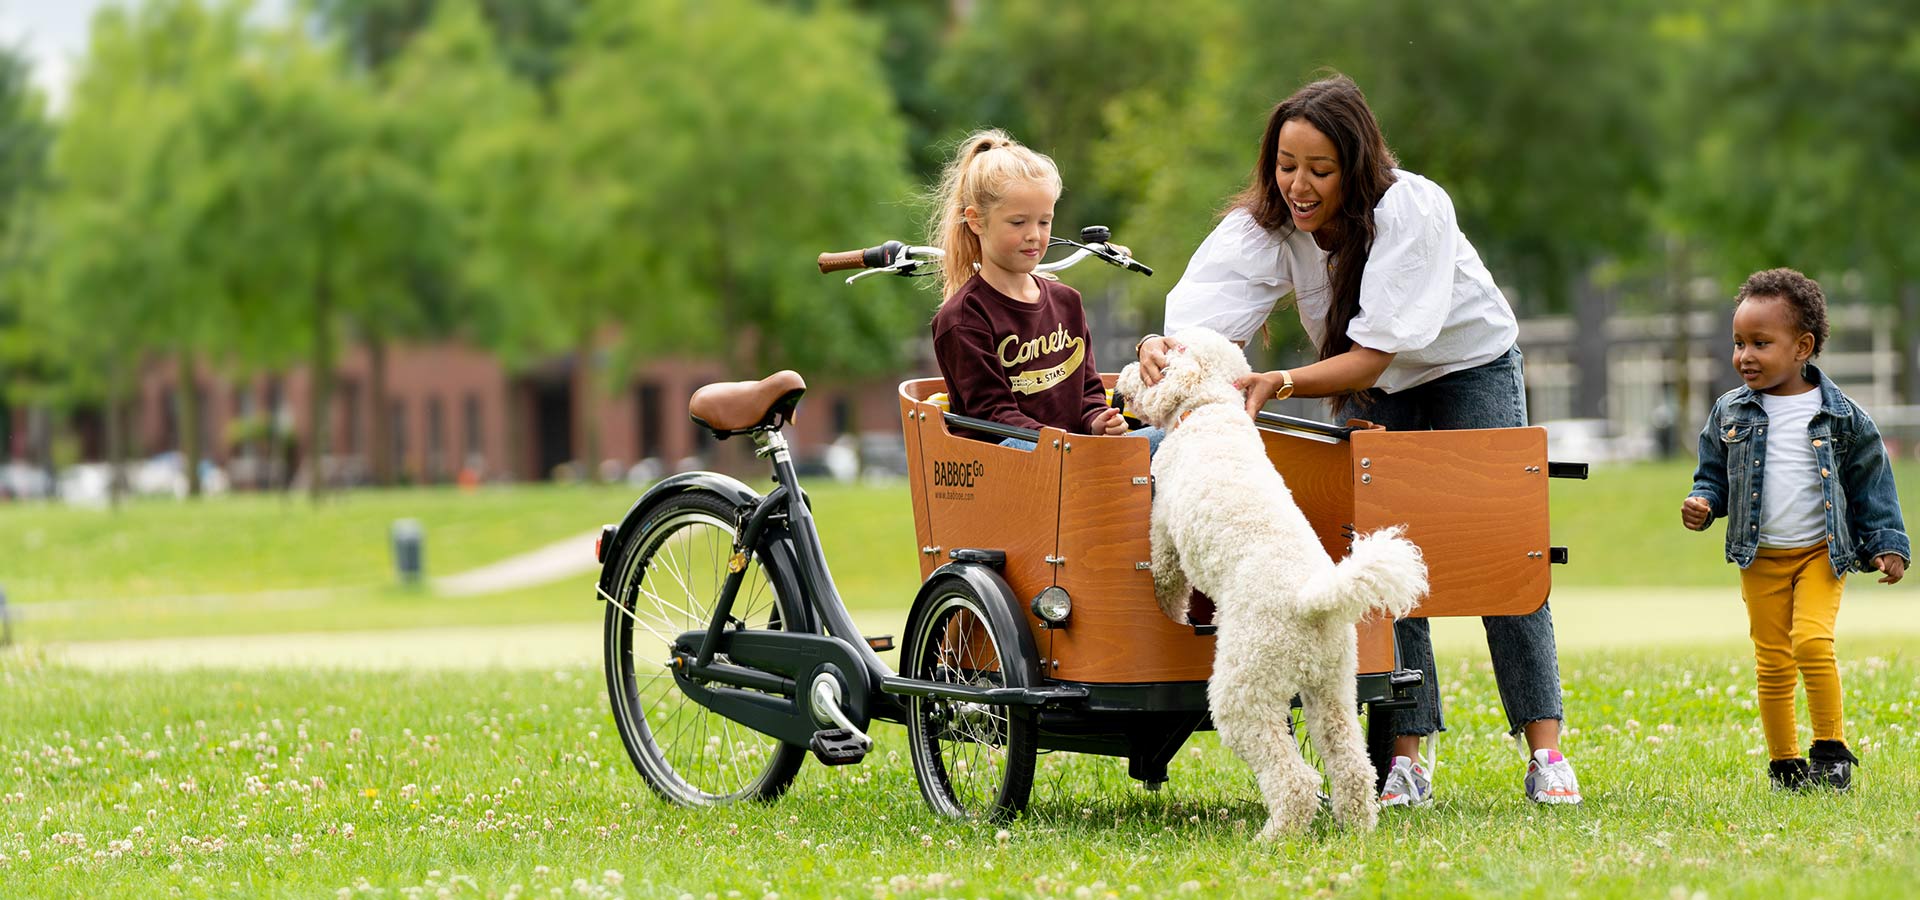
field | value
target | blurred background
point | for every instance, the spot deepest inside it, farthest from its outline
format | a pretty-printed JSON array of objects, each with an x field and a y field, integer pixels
[{"x": 310, "y": 245}]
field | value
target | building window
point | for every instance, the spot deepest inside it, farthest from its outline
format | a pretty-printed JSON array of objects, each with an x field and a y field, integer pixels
[
  {"x": 842, "y": 415},
  {"x": 399, "y": 420},
  {"x": 350, "y": 411},
  {"x": 651, "y": 422},
  {"x": 436, "y": 437},
  {"x": 473, "y": 428}
]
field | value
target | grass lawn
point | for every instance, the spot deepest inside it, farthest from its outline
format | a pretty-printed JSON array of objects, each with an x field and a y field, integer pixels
[
  {"x": 251, "y": 564},
  {"x": 513, "y": 784},
  {"x": 249, "y": 543}
]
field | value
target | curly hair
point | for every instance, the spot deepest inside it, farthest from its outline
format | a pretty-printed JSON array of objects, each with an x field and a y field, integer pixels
[{"x": 1799, "y": 292}]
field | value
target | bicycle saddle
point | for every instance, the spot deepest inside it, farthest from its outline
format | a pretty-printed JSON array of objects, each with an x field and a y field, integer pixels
[{"x": 735, "y": 407}]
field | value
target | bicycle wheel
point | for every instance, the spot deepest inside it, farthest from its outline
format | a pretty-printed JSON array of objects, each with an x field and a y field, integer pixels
[
  {"x": 670, "y": 580},
  {"x": 972, "y": 760}
]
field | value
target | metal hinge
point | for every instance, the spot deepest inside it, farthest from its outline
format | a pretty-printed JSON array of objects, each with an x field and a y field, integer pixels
[{"x": 1056, "y": 560}]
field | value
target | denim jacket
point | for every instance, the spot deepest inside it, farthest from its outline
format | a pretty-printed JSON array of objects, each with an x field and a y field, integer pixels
[{"x": 1863, "y": 512}]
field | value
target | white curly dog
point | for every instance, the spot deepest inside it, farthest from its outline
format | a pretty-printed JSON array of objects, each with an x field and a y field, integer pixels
[{"x": 1225, "y": 523}]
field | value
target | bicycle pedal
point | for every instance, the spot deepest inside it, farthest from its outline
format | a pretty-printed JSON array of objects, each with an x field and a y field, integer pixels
[{"x": 837, "y": 747}]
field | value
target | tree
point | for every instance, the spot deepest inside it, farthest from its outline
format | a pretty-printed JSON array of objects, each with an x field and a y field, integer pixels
[
  {"x": 312, "y": 219},
  {"x": 1804, "y": 152},
  {"x": 686, "y": 213},
  {"x": 24, "y": 139},
  {"x": 121, "y": 285}
]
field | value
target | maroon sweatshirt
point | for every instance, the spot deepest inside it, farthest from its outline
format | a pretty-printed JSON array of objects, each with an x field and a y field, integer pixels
[{"x": 1024, "y": 364}]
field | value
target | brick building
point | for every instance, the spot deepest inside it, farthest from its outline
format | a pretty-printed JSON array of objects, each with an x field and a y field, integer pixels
[{"x": 451, "y": 407}]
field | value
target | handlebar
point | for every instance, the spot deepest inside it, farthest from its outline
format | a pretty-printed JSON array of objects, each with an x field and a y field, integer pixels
[{"x": 897, "y": 258}]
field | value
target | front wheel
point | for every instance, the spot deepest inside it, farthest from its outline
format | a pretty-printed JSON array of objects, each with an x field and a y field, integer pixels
[
  {"x": 670, "y": 580},
  {"x": 972, "y": 760}
]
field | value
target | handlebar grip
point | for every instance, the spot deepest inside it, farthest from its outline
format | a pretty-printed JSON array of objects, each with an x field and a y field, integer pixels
[
  {"x": 834, "y": 262},
  {"x": 871, "y": 258}
]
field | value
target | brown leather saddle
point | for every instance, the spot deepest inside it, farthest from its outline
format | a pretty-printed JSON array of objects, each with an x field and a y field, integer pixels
[{"x": 728, "y": 408}]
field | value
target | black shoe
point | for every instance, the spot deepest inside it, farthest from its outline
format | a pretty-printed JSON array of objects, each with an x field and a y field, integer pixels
[
  {"x": 1789, "y": 774},
  {"x": 1832, "y": 765}
]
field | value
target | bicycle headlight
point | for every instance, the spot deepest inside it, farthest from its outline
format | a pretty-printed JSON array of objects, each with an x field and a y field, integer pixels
[{"x": 1053, "y": 605}]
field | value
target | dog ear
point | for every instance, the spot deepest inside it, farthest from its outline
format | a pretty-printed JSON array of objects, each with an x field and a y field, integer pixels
[{"x": 1128, "y": 384}]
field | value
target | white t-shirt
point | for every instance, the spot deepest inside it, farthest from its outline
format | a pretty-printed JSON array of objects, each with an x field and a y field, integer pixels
[
  {"x": 1424, "y": 296},
  {"x": 1793, "y": 509}
]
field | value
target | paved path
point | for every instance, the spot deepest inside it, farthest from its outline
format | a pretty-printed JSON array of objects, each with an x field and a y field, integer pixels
[{"x": 560, "y": 559}]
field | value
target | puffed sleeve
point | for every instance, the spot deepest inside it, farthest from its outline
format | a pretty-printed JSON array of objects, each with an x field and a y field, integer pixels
[
  {"x": 1406, "y": 290},
  {"x": 1232, "y": 282}
]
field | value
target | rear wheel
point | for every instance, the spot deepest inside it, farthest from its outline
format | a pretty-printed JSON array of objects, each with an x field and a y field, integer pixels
[
  {"x": 973, "y": 760},
  {"x": 670, "y": 580}
]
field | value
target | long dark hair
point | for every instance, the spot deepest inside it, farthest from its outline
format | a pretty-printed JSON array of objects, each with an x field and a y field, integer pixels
[{"x": 1335, "y": 106}]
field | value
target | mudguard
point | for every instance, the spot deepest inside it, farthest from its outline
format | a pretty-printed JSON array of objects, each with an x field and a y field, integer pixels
[
  {"x": 1004, "y": 612},
  {"x": 732, "y": 489}
]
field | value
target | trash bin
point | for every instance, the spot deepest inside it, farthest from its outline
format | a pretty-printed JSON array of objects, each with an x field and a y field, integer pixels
[{"x": 408, "y": 550}]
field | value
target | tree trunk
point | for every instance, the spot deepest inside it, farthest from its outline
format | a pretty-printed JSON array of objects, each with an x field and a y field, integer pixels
[
  {"x": 116, "y": 441},
  {"x": 320, "y": 407},
  {"x": 187, "y": 406},
  {"x": 587, "y": 410},
  {"x": 1680, "y": 287},
  {"x": 1590, "y": 354},
  {"x": 1909, "y": 335},
  {"x": 380, "y": 451}
]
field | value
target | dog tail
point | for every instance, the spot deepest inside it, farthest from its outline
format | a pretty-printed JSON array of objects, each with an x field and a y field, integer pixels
[{"x": 1385, "y": 573}]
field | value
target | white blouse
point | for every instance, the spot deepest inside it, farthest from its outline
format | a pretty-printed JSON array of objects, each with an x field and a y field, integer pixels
[{"x": 1424, "y": 296}]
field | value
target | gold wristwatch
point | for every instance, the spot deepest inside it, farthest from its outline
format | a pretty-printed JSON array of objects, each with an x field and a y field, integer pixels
[{"x": 1286, "y": 385}]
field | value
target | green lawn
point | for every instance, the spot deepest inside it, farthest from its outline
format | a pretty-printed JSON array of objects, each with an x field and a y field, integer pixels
[
  {"x": 252, "y": 564},
  {"x": 513, "y": 784},
  {"x": 248, "y": 543}
]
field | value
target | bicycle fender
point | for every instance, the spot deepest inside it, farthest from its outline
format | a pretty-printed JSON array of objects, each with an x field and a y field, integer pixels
[
  {"x": 727, "y": 487},
  {"x": 1006, "y": 611}
]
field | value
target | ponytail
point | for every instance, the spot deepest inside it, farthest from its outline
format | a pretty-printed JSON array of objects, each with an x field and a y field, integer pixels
[{"x": 988, "y": 165}]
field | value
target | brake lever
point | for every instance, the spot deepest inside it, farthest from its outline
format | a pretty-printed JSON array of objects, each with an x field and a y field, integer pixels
[
  {"x": 1113, "y": 257},
  {"x": 903, "y": 267}
]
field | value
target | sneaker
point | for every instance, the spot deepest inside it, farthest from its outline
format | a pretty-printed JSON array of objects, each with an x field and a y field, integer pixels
[
  {"x": 1830, "y": 765},
  {"x": 1789, "y": 774},
  {"x": 1550, "y": 779},
  {"x": 1408, "y": 784}
]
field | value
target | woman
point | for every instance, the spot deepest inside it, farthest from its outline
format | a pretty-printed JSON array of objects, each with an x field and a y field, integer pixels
[{"x": 1412, "y": 334}]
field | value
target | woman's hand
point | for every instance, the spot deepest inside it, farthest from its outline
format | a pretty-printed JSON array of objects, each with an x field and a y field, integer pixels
[
  {"x": 1892, "y": 567},
  {"x": 1153, "y": 357},
  {"x": 1695, "y": 512},
  {"x": 1259, "y": 388},
  {"x": 1110, "y": 423}
]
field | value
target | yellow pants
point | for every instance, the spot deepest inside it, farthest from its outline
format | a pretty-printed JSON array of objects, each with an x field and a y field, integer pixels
[{"x": 1792, "y": 600}]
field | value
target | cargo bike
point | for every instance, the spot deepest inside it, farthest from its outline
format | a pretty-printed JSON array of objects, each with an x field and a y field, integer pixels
[{"x": 730, "y": 654}]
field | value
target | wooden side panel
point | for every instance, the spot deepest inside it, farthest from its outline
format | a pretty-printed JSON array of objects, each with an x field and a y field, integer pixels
[
  {"x": 982, "y": 495},
  {"x": 1117, "y": 633},
  {"x": 1317, "y": 472},
  {"x": 910, "y": 409},
  {"x": 1476, "y": 503}
]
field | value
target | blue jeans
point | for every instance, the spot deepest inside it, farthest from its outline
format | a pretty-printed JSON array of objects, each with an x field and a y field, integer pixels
[
  {"x": 1153, "y": 435},
  {"x": 1526, "y": 665}
]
